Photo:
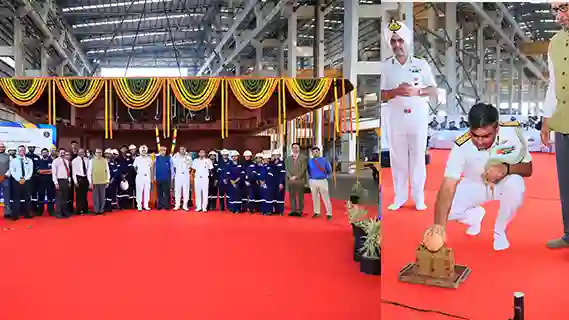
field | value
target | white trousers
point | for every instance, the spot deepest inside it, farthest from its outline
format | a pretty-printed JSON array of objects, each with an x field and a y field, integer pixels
[
  {"x": 319, "y": 188},
  {"x": 181, "y": 187},
  {"x": 202, "y": 192},
  {"x": 143, "y": 185},
  {"x": 471, "y": 195},
  {"x": 407, "y": 158}
]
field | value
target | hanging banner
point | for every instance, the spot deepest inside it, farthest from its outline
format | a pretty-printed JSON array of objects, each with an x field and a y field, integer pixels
[{"x": 16, "y": 134}]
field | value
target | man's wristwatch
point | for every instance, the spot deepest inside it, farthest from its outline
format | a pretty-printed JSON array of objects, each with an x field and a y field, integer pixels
[{"x": 507, "y": 168}]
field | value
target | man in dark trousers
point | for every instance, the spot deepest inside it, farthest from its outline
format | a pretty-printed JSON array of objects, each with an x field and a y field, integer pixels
[
  {"x": 61, "y": 176},
  {"x": 164, "y": 175},
  {"x": 45, "y": 186},
  {"x": 296, "y": 166},
  {"x": 5, "y": 179},
  {"x": 21, "y": 170},
  {"x": 34, "y": 182},
  {"x": 71, "y": 155},
  {"x": 79, "y": 171}
]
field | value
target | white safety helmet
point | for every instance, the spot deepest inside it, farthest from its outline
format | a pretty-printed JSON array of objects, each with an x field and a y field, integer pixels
[
  {"x": 266, "y": 156},
  {"x": 108, "y": 151},
  {"x": 247, "y": 153},
  {"x": 234, "y": 153},
  {"x": 259, "y": 155},
  {"x": 132, "y": 147},
  {"x": 143, "y": 148},
  {"x": 276, "y": 152},
  {"x": 224, "y": 152},
  {"x": 124, "y": 185},
  {"x": 115, "y": 151},
  {"x": 212, "y": 153}
]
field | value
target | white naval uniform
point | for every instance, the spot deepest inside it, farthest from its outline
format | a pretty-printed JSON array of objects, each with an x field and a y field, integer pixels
[
  {"x": 407, "y": 120},
  {"x": 143, "y": 166},
  {"x": 201, "y": 182},
  {"x": 182, "y": 165},
  {"x": 471, "y": 193}
]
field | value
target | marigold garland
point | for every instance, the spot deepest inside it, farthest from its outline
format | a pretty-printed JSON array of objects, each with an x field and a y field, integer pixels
[
  {"x": 195, "y": 94},
  {"x": 23, "y": 92},
  {"x": 138, "y": 93},
  {"x": 80, "y": 93},
  {"x": 253, "y": 93},
  {"x": 309, "y": 93}
]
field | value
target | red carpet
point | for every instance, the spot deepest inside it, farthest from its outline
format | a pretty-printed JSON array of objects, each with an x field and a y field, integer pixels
[
  {"x": 528, "y": 266},
  {"x": 183, "y": 265}
]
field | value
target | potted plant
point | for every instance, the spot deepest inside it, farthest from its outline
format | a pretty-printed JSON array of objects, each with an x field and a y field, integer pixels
[
  {"x": 356, "y": 215},
  {"x": 358, "y": 193},
  {"x": 370, "y": 262}
]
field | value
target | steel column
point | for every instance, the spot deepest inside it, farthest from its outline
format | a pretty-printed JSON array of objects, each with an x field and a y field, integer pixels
[
  {"x": 18, "y": 48},
  {"x": 450, "y": 58}
]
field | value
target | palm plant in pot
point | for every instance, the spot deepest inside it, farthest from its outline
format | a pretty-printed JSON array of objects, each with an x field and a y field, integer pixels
[
  {"x": 370, "y": 262},
  {"x": 358, "y": 193},
  {"x": 356, "y": 215}
]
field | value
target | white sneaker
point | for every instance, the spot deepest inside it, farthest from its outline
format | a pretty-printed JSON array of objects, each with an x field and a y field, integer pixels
[
  {"x": 501, "y": 241},
  {"x": 475, "y": 221},
  {"x": 176, "y": 208},
  {"x": 147, "y": 209},
  {"x": 186, "y": 209},
  {"x": 421, "y": 207},
  {"x": 394, "y": 206}
]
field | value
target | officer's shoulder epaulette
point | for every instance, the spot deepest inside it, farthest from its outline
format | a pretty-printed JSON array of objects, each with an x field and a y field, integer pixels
[
  {"x": 462, "y": 139},
  {"x": 510, "y": 124},
  {"x": 418, "y": 57}
]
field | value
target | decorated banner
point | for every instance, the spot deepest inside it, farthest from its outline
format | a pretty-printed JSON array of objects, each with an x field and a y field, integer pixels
[
  {"x": 138, "y": 93},
  {"x": 310, "y": 93},
  {"x": 23, "y": 92},
  {"x": 253, "y": 93},
  {"x": 195, "y": 94},
  {"x": 80, "y": 92}
]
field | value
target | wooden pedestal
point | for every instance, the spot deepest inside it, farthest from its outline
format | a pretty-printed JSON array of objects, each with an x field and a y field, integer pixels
[{"x": 434, "y": 269}]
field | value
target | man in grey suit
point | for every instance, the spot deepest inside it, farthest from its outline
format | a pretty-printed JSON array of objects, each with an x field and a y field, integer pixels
[{"x": 296, "y": 168}]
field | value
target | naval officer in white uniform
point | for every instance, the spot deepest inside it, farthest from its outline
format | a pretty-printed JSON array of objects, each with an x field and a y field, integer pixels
[
  {"x": 464, "y": 189},
  {"x": 143, "y": 165},
  {"x": 406, "y": 85},
  {"x": 182, "y": 164},
  {"x": 201, "y": 166}
]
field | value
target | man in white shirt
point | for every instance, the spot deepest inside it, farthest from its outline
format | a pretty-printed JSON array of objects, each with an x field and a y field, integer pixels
[
  {"x": 406, "y": 84},
  {"x": 21, "y": 170},
  {"x": 202, "y": 167},
  {"x": 182, "y": 164},
  {"x": 79, "y": 170},
  {"x": 460, "y": 198},
  {"x": 61, "y": 174},
  {"x": 143, "y": 165}
]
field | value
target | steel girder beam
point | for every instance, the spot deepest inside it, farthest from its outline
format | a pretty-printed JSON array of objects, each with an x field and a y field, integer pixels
[
  {"x": 229, "y": 34},
  {"x": 512, "y": 21},
  {"x": 57, "y": 41},
  {"x": 240, "y": 45},
  {"x": 507, "y": 40}
]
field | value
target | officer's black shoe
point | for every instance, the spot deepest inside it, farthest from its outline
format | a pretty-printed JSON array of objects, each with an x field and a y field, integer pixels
[
  {"x": 28, "y": 216},
  {"x": 316, "y": 215},
  {"x": 329, "y": 217},
  {"x": 14, "y": 218}
]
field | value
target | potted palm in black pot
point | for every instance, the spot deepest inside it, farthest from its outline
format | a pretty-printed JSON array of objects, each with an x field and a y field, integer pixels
[
  {"x": 358, "y": 193},
  {"x": 356, "y": 215},
  {"x": 370, "y": 261}
]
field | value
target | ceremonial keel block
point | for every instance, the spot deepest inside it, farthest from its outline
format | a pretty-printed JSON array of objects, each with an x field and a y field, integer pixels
[{"x": 434, "y": 269}]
